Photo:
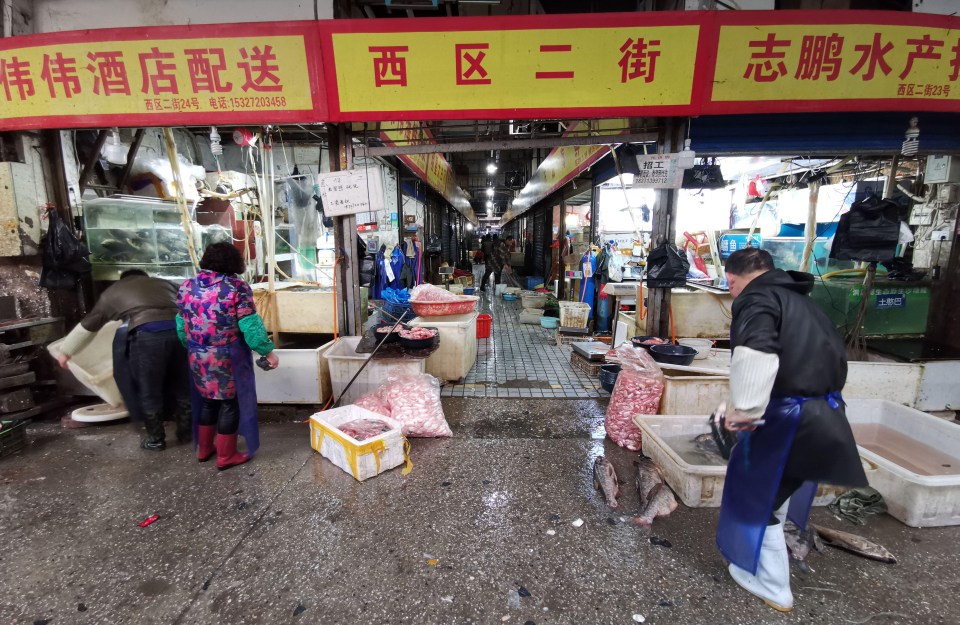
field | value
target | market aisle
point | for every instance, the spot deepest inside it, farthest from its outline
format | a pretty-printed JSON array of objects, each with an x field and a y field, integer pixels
[
  {"x": 290, "y": 538},
  {"x": 521, "y": 361}
]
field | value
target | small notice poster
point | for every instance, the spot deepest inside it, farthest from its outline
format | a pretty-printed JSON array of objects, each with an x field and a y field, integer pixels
[
  {"x": 352, "y": 191},
  {"x": 658, "y": 171}
]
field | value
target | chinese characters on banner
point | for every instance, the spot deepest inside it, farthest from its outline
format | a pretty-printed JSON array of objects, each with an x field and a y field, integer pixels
[
  {"x": 552, "y": 69},
  {"x": 816, "y": 64},
  {"x": 432, "y": 168},
  {"x": 352, "y": 191},
  {"x": 658, "y": 171},
  {"x": 150, "y": 78}
]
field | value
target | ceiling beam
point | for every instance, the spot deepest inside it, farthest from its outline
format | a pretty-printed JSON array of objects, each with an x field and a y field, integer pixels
[{"x": 504, "y": 144}]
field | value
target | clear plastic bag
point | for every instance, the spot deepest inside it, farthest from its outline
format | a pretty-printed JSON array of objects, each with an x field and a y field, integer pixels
[
  {"x": 414, "y": 401},
  {"x": 638, "y": 391},
  {"x": 373, "y": 403}
]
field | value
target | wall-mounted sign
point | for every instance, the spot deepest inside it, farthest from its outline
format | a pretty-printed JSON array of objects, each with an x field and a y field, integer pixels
[
  {"x": 730, "y": 242},
  {"x": 352, "y": 191},
  {"x": 658, "y": 171}
]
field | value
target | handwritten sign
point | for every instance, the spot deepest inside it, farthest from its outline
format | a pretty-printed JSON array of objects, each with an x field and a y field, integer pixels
[
  {"x": 658, "y": 171},
  {"x": 351, "y": 192}
]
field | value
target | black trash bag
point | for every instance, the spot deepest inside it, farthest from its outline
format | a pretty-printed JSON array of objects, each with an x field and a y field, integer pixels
[
  {"x": 667, "y": 267},
  {"x": 366, "y": 271},
  {"x": 326, "y": 221},
  {"x": 870, "y": 232},
  {"x": 64, "y": 256}
]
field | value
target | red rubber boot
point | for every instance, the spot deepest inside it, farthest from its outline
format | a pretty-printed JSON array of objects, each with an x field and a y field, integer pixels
[
  {"x": 205, "y": 448},
  {"x": 227, "y": 455}
]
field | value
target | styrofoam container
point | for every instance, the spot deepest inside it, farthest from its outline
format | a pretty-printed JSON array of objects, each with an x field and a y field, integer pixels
[
  {"x": 361, "y": 459},
  {"x": 698, "y": 486},
  {"x": 916, "y": 500},
  {"x": 302, "y": 377},
  {"x": 345, "y": 362},
  {"x": 93, "y": 365},
  {"x": 457, "y": 352},
  {"x": 692, "y": 394}
]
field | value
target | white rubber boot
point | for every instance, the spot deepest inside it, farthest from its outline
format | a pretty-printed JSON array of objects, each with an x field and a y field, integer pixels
[
  {"x": 772, "y": 581},
  {"x": 781, "y": 512}
]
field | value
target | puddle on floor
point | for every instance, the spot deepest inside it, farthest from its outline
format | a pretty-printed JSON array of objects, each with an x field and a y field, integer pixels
[{"x": 905, "y": 451}]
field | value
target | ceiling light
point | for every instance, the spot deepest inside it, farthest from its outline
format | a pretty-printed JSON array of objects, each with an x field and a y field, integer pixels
[
  {"x": 489, "y": 204},
  {"x": 489, "y": 191},
  {"x": 491, "y": 168}
]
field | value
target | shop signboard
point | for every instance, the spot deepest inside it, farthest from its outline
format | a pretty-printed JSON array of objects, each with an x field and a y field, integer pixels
[
  {"x": 432, "y": 168},
  {"x": 790, "y": 61},
  {"x": 351, "y": 191},
  {"x": 730, "y": 242},
  {"x": 680, "y": 63},
  {"x": 506, "y": 68},
  {"x": 162, "y": 76},
  {"x": 658, "y": 171}
]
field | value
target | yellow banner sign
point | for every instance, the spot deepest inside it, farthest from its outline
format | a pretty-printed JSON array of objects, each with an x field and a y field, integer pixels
[
  {"x": 168, "y": 80},
  {"x": 566, "y": 162},
  {"x": 432, "y": 168},
  {"x": 824, "y": 65},
  {"x": 553, "y": 71}
]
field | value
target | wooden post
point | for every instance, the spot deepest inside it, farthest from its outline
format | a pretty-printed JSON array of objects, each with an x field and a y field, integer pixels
[
  {"x": 810, "y": 232},
  {"x": 345, "y": 237},
  {"x": 664, "y": 231}
]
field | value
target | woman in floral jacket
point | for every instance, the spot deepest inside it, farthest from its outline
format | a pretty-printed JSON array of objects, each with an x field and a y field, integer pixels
[{"x": 219, "y": 325}]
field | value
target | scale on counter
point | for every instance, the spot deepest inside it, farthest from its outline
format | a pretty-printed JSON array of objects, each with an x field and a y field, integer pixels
[{"x": 591, "y": 350}]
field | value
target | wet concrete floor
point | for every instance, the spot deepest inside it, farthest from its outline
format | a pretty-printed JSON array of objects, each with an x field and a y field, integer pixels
[{"x": 480, "y": 532}]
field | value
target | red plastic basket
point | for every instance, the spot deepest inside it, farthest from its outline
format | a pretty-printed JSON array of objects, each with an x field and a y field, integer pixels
[{"x": 484, "y": 324}]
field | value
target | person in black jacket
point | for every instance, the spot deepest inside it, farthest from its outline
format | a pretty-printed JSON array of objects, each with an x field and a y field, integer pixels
[{"x": 787, "y": 369}]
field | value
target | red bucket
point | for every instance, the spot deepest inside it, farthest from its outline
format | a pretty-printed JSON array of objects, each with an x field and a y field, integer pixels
[{"x": 484, "y": 323}]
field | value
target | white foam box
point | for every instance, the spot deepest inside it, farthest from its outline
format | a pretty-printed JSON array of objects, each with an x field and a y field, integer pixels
[
  {"x": 344, "y": 362},
  {"x": 457, "y": 351},
  {"x": 697, "y": 486},
  {"x": 916, "y": 500},
  {"x": 361, "y": 459},
  {"x": 303, "y": 377}
]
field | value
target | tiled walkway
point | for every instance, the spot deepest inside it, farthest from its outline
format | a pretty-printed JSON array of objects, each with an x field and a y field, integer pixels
[{"x": 521, "y": 360}]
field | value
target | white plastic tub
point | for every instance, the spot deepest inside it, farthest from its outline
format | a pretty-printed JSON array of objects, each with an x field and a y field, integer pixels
[
  {"x": 345, "y": 362},
  {"x": 910, "y": 450},
  {"x": 457, "y": 352},
  {"x": 361, "y": 459},
  {"x": 303, "y": 377},
  {"x": 697, "y": 485},
  {"x": 93, "y": 365}
]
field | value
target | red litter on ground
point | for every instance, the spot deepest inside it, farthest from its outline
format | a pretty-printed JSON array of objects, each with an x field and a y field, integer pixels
[{"x": 149, "y": 520}]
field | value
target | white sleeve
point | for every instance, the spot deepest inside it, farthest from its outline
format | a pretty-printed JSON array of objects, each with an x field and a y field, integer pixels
[{"x": 752, "y": 375}]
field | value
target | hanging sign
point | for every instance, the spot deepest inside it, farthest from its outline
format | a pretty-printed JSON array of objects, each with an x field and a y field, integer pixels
[
  {"x": 352, "y": 191},
  {"x": 162, "y": 76},
  {"x": 514, "y": 67},
  {"x": 789, "y": 61},
  {"x": 730, "y": 242},
  {"x": 658, "y": 171}
]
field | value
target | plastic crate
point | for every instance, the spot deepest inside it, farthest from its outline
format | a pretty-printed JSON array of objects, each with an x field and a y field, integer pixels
[
  {"x": 533, "y": 282},
  {"x": 913, "y": 496},
  {"x": 574, "y": 314},
  {"x": 534, "y": 300},
  {"x": 531, "y": 315},
  {"x": 588, "y": 367},
  {"x": 361, "y": 459},
  {"x": 445, "y": 309},
  {"x": 697, "y": 486},
  {"x": 345, "y": 362}
]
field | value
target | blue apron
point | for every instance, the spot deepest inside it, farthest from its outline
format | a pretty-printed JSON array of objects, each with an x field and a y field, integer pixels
[
  {"x": 753, "y": 477},
  {"x": 587, "y": 290},
  {"x": 241, "y": 362}
]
